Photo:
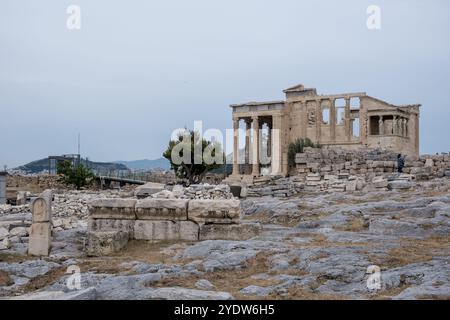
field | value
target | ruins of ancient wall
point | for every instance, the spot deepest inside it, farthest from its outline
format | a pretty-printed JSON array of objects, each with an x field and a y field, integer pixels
[
  {"x": 113, "y": 222},
  {"x": 362, "y": 161},
  {"x": 35, "y": 184}
]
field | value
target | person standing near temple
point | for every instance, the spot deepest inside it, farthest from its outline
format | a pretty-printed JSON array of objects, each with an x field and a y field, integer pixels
[{"x": 400, "y": 163}]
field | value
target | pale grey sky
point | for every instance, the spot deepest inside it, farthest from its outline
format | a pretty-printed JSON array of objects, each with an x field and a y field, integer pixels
[{"x": 139, "y": 69}]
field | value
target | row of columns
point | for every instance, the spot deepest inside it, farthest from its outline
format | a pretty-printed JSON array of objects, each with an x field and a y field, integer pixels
[
  {"x": 251, "y": 124},
  {"x": 399, "y": 126}
]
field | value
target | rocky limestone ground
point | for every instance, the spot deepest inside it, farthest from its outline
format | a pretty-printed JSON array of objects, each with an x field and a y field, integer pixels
[{"x": 314, "y": 245}]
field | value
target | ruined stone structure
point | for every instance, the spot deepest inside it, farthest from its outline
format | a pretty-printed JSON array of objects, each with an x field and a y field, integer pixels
[
  {"x": 113, "y": 222},
  {"x": 347, "y": 120}
]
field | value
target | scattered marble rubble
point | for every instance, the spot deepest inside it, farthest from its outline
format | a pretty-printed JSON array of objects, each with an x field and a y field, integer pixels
[
  {"x": 68, "y": 212},
  {"x": 195, "y": 191}
]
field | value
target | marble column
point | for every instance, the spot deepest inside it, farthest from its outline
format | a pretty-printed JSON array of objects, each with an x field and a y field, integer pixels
[
  {"x": 276, "y": 137},
  {"x": 332, "y": 120},
  {"x": 269, "y": 139},
  {"x": 236, "y": 146},
  {"x": 256, "y": 141},
  {"x": 248, "y": 128},
  {"x": 318, "y": 120},
  {"x": 347, "y": 121}
]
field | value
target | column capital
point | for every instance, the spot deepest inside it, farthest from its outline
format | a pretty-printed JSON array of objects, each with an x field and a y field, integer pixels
[
  {"x": 255, "y": 118},
  {"x": 235, "y": 123}
]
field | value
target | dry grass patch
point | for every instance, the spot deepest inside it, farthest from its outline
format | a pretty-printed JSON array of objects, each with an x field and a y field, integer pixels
[
  {"x": 151, "y": 251},
  {"x": 321, "y": 255},
  {"x": 283, "y": 220},
  {"x": 43, "y": 281},
  {"x": 299, "y": 293},
  {"x": 5, "y": 279},
  {"x": 414, "y": 251},
  {"x": 13, "y": 257},
  {"x": 355, "y": 225},
  {"x": 388, "y": 294},
  {"x": 321, "y": 241},
  {"x": 102, "y": 265},
  {"x": 231, "y": 281},
  {"x": 435, "y": 193}
]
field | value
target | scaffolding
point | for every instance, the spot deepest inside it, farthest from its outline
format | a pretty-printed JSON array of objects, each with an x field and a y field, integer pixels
[{"x": 53, "y": 161}]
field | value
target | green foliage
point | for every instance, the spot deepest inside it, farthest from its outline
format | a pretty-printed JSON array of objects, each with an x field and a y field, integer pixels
[
  {"x": 197, "y": 164},
  {"x": 298, "y": 146},
  {"x": 78, "y": 175}
]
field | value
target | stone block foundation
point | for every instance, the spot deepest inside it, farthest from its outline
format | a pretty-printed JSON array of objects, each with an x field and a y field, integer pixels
[{"x": 113, "y": 222}]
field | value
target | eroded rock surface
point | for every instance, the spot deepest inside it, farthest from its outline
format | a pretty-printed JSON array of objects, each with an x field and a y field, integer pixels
[{"x": 312, "y": 245}]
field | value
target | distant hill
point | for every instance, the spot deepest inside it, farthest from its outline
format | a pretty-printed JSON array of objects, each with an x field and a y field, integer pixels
[
  {"x": 42, "y": 165},
  {"x": 161, "y": 163}
]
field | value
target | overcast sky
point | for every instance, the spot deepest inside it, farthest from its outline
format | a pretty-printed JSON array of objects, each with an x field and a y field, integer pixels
[{"x": 139, "y": 69}]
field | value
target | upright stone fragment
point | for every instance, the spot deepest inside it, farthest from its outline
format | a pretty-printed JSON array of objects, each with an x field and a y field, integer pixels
[
  {"x": 214, "y": 211},
  {"x": 41, "y": 229},
  {"x": 40, "y": 239},
  {"x": 41, "y": 210},
  {"x": 162, "y": 209}
]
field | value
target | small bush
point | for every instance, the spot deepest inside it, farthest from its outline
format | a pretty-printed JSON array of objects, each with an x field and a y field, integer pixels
[
  {"x": 77, "y": 175},
  {"x": 298, "y": 146}
]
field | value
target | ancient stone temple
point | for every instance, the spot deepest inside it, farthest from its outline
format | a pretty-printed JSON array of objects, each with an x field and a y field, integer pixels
[{"x": 346, "y": 120}]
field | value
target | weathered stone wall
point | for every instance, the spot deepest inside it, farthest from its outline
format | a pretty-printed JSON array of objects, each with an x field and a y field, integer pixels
[
  {"x": 115, "y": 221},
  {"x": 35, "y": 184},
  {"x": 362, "y": 161},
  {"x": 335, "y": 169}
]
